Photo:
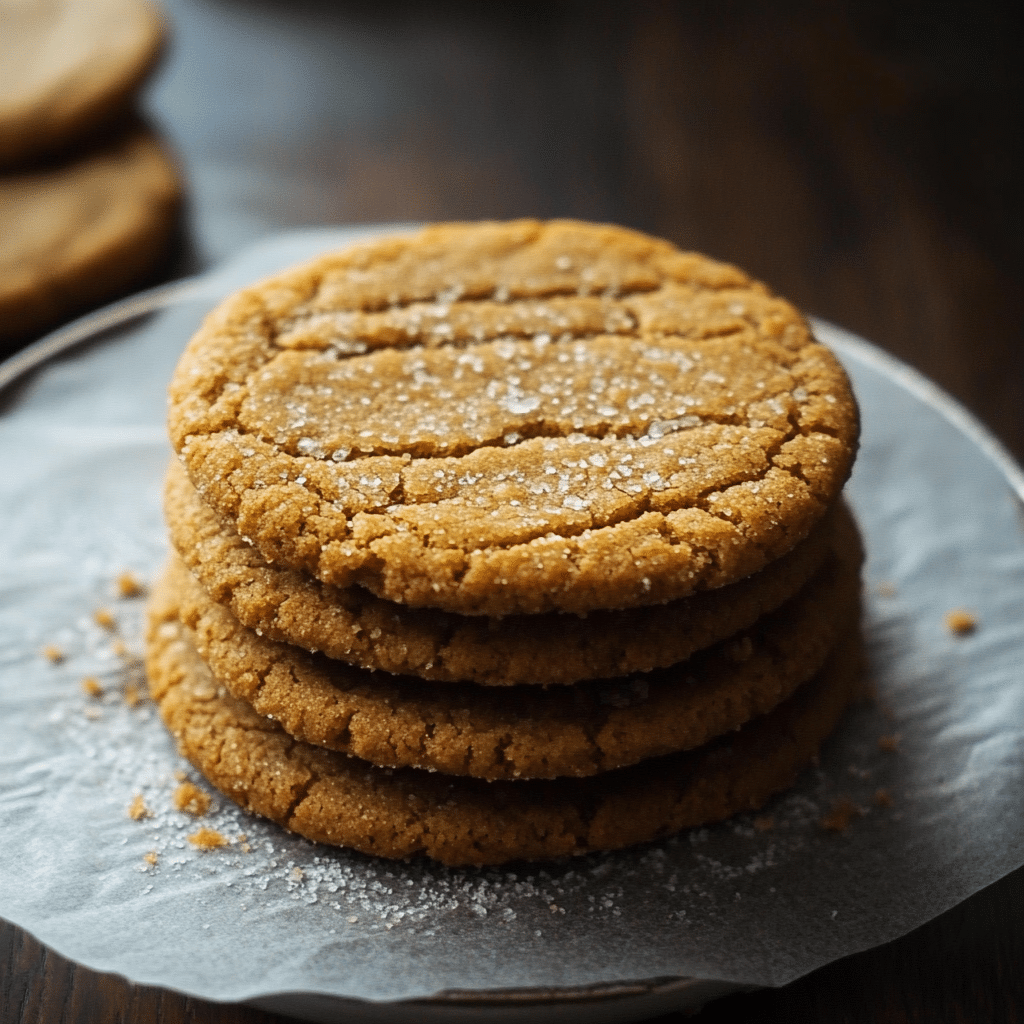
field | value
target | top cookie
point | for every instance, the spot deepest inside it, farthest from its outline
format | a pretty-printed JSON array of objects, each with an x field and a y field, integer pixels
[
  {"x": 67, "y": 66},
  {"x": 515, "y": 418}
]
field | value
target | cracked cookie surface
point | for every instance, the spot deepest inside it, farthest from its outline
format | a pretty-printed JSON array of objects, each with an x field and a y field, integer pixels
[
  {"x": 332, "y": 798},
  {"x": 511, "y": 418},
  {"x": 352, "y": 625},
  {"x": 525, "y": 732}
]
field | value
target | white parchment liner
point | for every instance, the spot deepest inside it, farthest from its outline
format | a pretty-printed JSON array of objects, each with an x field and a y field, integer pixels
[{"x": 82, "y": 453}]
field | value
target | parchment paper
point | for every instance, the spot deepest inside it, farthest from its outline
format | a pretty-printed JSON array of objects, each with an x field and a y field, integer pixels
[{"x": 82, "y": 452}]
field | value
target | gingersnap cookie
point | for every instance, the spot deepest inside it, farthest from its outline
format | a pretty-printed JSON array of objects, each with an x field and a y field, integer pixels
[
  {"x": 332, "y": 798},
  {"x": 524, "y": 732},
  {"x": 353, "y": 625},
  {"x": 500, "y": 419},
  {"x": 76, "y": 235},
  {"x": 68, "y": 67}
]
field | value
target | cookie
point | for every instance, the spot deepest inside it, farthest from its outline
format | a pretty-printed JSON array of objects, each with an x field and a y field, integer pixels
[
  {"x": 524, "y": 732},
  {"x": 76, "y": 235},
  {"x": 515, "y": 418},
  {"x": 67, "y": 68},
  {"x": 353, "y": 625},
  {"x": 332, "y": 798}
]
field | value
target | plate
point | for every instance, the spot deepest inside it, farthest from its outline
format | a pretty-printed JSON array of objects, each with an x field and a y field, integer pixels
[{"x": 324, "y": 934}]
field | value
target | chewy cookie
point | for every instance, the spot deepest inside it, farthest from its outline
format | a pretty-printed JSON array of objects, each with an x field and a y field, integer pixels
[
  {"x": 331, "y": 798},
  {"x": 353, "y": 625},
  {"x": 67, "y": 67},
  {"x": 518, "y": 418},
  {"x": 74, "y": 235},
  {"x": 525, "y": 732}
]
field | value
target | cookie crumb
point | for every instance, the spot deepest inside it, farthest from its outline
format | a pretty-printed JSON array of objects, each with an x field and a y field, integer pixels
[
  {"x": 128, "y": 585},
  {"x": 889, "y": 744},
  {"x": 103, "y": 617},
  {"x": 137, "y": 809},
  {"x": 91, "y": 686},
  {"x": 152, "y": 857},
  {"x": 883, "y": 798},
  {"x": 132, "y": 695},
  {"x": 180, "y": 775},
  {"x": 960, "y": 622},
  {"x": 764, "y": 823},
  {"x": 54, "y": 655},
  {"x": 120, "y": 648},
  {"x": 207, "y": 839},
  {"x": 191, "y": 799},
  {"x": 844, "y": 810}
]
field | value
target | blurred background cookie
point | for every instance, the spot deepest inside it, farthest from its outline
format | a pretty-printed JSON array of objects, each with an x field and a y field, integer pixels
[
  {"x": 67, "y": 67},
  {"x": 81, "y": 233}
]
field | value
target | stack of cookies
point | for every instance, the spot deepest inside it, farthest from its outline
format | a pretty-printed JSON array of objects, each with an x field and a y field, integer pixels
[
  {"x": 89, "y": 196},
  {"x": 506, "y": 541}
]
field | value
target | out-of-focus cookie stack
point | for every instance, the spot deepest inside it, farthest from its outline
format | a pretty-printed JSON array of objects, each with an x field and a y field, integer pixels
[
  {"x": 88, "y": 195},
  {"x": 506, "y": 541}
]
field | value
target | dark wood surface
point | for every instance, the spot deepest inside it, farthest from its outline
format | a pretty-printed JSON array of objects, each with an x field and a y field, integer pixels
[{"x": 864, "y": 159}]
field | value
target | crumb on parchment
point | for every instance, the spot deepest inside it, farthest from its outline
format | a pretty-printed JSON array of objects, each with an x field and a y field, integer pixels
[
  {"x": 105, "y": 618},
  {"x": 137, "y": 809},
  {"x": 961, "y": 622},
  {"x": 883, "y": 797},
  {"x": 152, "y": 857},
  {"x": 129, "y": 585},
  {"x": 838, "y": 819},
  {"x": 54, "y": 655},
  {"x": 207, "y": 839},
  {"x": 889, "y": 744},
  {"x": 91, "y": 687},
  {"x": 191, "y": 799},
  {"x": 132, "y": 695}
]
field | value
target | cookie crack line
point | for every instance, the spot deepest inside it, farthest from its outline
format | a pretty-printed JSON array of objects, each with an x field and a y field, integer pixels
[{"x": 524, "y": 432}]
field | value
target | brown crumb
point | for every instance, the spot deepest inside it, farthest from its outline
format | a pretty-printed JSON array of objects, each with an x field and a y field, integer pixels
[
  {"x": 883, "y": 798},
  {"x": 764, "y": 823},
  {"x": 152, "y": 857},
  {"x": 886, "y": 589},
  {"x": 91, "y": 686},
  {"x": 137, "y": 809},
  {"x": 53, "y": 654},
  {"x": 844, "y": 810},
  {"x": 191, "y": 799},
  {"x": 120, "y": 648},
  {"x": 132, "y": 695},
  {"x": 246, "y": 848},
  {"x": 103, "y": 617},
  {"x": 960, "y": 622},
  {"x": 128, "y": 585},
  {"x": 207, "y": 839},
  {"x": 889, "y": 744},
  {"x": 180, "y": 775}
]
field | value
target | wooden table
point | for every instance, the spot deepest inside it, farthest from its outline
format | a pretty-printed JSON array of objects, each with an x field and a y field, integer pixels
[{"x": 863, "y": 159}]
